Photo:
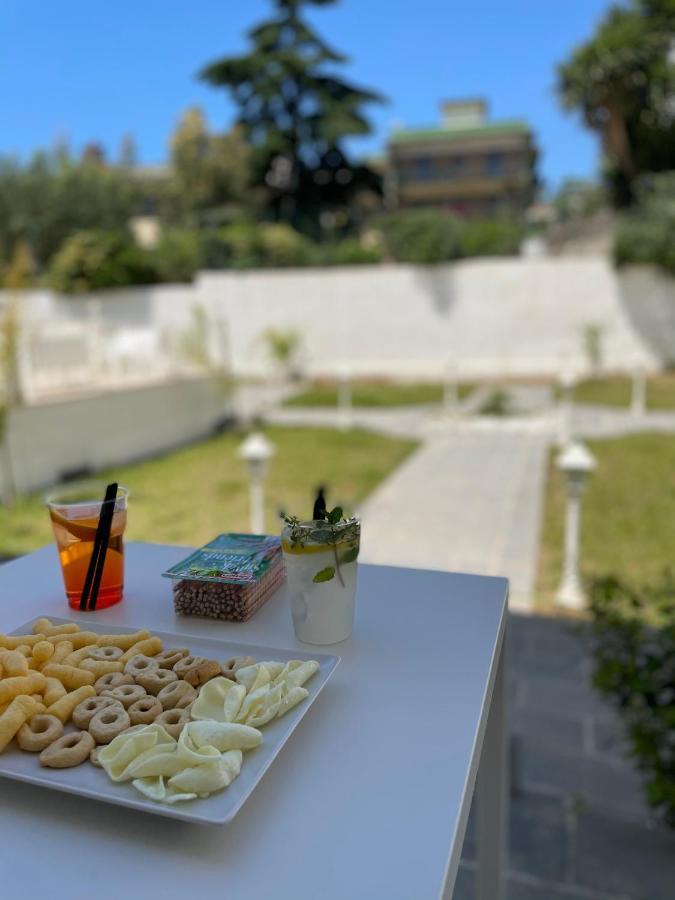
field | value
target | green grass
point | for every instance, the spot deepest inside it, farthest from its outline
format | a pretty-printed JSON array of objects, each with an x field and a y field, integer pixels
[
  {"x": 375, "y": 393},
  {"x": 190, "y": 495},
  {"x": 616, "y": 391},
  {"x": 628, "y": 516}
]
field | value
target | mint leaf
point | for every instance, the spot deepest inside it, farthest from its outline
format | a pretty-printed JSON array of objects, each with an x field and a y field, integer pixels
[
  {"x": 349, "y": 555},
  {"x": 335, "y": 515},
  {"x": 324, "y": 575},
  {"x": 322, "y": 535}
]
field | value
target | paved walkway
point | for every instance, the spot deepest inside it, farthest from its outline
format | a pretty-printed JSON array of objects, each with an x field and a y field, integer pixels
[
  {"x": 579, "y": 828},
  {"x": 467, "y": 502}
]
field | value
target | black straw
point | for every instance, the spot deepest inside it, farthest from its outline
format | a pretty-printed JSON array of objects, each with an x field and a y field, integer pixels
[{"x": 92, "y": 582}]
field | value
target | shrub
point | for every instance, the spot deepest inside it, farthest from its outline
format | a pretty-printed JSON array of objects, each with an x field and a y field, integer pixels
[
  {"x": 350, "y": 252},
  {"x": 178, "y": 255},
  {"x": 93, "y": 260},
  {"x": 647, "y": 233},
  {"x": 490, "y": 237},
  {"x": 634, "y": 643},
  {"x": 421, "y": 236},
  {"x": 250, "y": 245}
]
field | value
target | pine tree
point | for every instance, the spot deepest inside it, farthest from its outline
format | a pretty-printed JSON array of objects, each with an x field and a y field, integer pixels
[{"x": 296, "y": 113}]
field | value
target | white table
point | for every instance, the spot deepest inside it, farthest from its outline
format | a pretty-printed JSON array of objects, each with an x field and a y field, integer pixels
[{"x": 368, "y": 800}]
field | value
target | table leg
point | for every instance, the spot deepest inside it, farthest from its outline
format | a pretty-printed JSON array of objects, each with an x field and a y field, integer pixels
[{"x": 492, "y": 797}]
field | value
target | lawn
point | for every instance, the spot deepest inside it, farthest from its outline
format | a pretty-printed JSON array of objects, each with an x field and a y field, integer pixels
[
  {"x": 190, "y": 495},
  {"x": 616, "y": 391},
  {"x": 376, "y": 393},
  {"x": 628, "y": 518}
]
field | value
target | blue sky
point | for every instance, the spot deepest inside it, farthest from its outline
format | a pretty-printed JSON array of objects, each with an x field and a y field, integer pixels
[{"x": 94, "y": 71}]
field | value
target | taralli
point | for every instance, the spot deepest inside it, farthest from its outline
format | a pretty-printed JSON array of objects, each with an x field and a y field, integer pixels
[
  {"x": 44, "y": 626},
  {"x": 140, "y": 665},
  {"x": 155, "y": 680},
  {"x": 126, "y": 694},
  {"x": 69, "y": 750},
  {"x": 187, "y": 663},
  {"x": 13, "y": 663},
  {"x": 167, "y": 659},
  {"x": 123, "y": 641},
  {"x": 230, "y": 666},
  {"x": 63, "y": 708},
  {"x": 62, "y": 651},
  {"x": 105, "y": 654},
  {"x": 84, "y": 712},
  {"x": 34, "y": 682},
  {"x": 100, "y": 666},
  {"x": 177, "y": 695},
  {"x": 69, "y": 676},
  {"x": 54, "y": 691},
  {"x": 108, "y": 723},
  {"x": 201, "y": 674},
  {"x": 42, "y": 651},
  {"x": 39, "y": 732},
  {"x": 17, "y": 713},
  {"x": 14, "y": 641},
  {"x": 148, "y": 647},
  {"x": 112, "y": 680},
  {"x": 173, "y": 721},
  {"x": 144, "y": 711}
]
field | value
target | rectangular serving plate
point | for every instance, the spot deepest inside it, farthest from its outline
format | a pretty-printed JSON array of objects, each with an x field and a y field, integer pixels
[{"x": 217, "y": 809}]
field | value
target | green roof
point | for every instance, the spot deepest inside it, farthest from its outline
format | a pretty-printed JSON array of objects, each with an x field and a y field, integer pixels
[{"x": 511, "y": 126}]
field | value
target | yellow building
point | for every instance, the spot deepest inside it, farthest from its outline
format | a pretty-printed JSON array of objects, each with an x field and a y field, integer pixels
[{"x": 468, "y": 165}]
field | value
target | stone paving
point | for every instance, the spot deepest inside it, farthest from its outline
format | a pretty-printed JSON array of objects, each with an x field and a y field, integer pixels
[{"x": 579, "y": 828}]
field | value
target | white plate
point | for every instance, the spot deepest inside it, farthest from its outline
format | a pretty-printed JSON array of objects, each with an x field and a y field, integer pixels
[{"x": 220, "y": 807}]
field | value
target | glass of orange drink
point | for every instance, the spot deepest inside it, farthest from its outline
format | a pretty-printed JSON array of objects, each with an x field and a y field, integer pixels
[{"x": 75, "y": 513}]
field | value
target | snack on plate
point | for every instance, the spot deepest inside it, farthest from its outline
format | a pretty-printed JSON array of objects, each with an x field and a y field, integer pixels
[
  {"x": 39, "y": 732},
  {"x": 68, "y": 750},
  {"x": 173, "y": 723},
  {"x": 17, "y": 713},
  {"x": 112, "y": 680}
]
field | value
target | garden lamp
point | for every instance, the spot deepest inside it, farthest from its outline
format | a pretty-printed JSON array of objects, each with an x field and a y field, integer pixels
[
  {"x": 576, "y": 463},
  {"x": 256, "y": 451}
]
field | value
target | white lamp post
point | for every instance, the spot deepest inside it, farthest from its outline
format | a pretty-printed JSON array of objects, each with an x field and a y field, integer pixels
[
  {"x": 344, "y": 398},
  {"x": 638, "y": 397},
  {"x": 576, "y": 463},
  {"x": 256, "y": 451},
  {"x": 566, "y": 384}
]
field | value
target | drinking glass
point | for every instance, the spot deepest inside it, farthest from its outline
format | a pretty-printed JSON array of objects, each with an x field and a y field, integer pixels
[{"x": 75, "y": 512}]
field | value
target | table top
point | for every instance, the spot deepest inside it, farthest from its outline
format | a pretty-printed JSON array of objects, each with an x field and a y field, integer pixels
[{"x": 369, "y": 798}]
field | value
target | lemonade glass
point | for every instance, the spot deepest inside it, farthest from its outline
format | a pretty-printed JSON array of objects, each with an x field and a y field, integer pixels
[
  {"x": 321, "y": 574},
  {"x": 75, "y": 513}
]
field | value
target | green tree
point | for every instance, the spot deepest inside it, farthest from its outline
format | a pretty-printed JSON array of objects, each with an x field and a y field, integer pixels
[
  {"x": 296, "y": 113},
  {"x": 622, "y": 81},
  {"x": 210, "y": 171}
]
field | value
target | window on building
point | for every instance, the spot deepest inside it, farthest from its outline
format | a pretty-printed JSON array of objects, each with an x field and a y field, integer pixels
[
  {"x": 495, "y": 164},
  {"x": 424, "y": 169}
]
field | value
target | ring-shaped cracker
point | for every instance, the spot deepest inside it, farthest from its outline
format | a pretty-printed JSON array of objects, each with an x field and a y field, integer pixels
[
  {"x": 112, "y": 680},
  {"x": 105, "y": 654},
  {"x": 154, "y": 681},
  {"x": 173, "y": 721},
  {"x": 188, "y": 662},
  {"x": 39, "y": 732},
  {"x": 126, "y": 694},
  {"x": 145, "y": 710},
  {"x": 84, "y": 712},
  {"x": 230, "y": 667},
  {"x": 69, "y": 750},
  {"x": 177, "y": 695},
  {"x": 140, "y": 665},
  {"x": 202, "y": 673},
  {"x": 167, "y": 659},
  {"x": 108, "y": 723}
]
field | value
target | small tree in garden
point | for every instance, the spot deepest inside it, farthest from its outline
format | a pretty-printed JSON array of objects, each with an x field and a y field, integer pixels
[
  {"x": 283, "y": 348},
  {"x": 296, "y": 113}
]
